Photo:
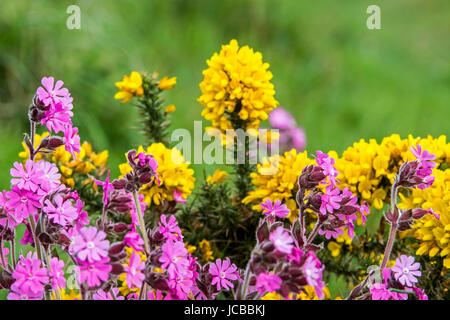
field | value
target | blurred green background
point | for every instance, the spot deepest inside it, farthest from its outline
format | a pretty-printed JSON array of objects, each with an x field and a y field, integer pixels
[{"x": 342, "y": 81}]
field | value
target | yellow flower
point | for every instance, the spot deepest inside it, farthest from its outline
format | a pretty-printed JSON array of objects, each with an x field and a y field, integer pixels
[
  {"x": 335, "y": 248},
  {"x": 170, "y": 108},
  {"x": 67, "y": 295},
  {"x": 173, "y": 172},
  {"x": 129, "y": 87},
  {"x": 166, "y": 83},
  {"x": 217, "y": 177},
  {"x": 283, "y": 184},
  {"x": 236, "y": 81},
  {"x": 205, "y": 248},
  {"x": 434, "y": 234}
]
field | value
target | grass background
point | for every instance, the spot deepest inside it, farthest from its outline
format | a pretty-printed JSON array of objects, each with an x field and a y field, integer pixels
[{"x": 342, "y": 81}]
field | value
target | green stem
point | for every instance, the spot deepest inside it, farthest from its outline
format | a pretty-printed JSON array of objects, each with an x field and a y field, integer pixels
[{"x": 141, "y": 222}]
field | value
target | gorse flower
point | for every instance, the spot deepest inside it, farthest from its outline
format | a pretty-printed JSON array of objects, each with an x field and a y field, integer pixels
[
  {"x": 129, "y": 87},
  {"x": 173, "y": 172},
  {"x": 166, "y": 84},
  {"x": 236, "y": 84}
]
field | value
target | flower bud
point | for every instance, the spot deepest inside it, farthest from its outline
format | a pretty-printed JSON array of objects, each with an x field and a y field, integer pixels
[
  {"x": 120, "y": 227},
  {"x": 310, "y": 177}
]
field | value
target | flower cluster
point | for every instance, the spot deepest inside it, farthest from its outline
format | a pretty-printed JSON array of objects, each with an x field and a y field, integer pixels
[
  {"x": 52, "y": 106},
  {"x": 399, "y": 281},
  {"x": 175, "y": 176},
  {"x": 236, "y": 85}
]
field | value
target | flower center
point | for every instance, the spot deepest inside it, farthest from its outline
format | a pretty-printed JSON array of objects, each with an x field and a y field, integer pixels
[
  {"x": 23, "y": 199},
  {"x": 222, "y": 275},
  {"x": 90, "y": 245},
  {"x": 405, "y": 270}
]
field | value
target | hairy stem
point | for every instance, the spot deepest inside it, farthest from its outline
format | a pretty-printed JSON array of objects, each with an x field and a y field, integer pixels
[{"x": 141, "y": 222}]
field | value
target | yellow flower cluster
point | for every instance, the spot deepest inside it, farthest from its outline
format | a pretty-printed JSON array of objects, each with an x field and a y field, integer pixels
[
  {"x": 123, "y": 287},
  {"x": 282, "y": 184},
  {"x": 86, "y": 162},
  {"x": 236, "y": 81},
  {"x": 173, "y": 172},
  {"x": 205, "y": 249},
  {"x": 368, "y": 169},
  {"x": 166, "y": 84},
  {"x": 433, "y": 234},
  {"x": 129, "y": 87}
]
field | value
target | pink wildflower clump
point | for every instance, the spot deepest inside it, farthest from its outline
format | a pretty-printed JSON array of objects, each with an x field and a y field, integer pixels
[
  {"x": 90, "y": 244},
  {"x": 223, "y": 273},
  {"x": 30, "y": 276},
  {"x": 134, "y": 270}
]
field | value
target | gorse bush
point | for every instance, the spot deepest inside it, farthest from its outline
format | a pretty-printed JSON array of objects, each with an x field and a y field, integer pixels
[{"x": 291, "y": 226}]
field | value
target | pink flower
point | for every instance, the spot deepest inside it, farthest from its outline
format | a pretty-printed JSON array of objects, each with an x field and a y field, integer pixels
[
  {"x": 26, "y": 179},
  {"x": 420, "y": 293},
  {"x": 23, "y": 202},
  {"x": 63, "y": 213},
  {"x": 5, "y": 255},
  {"x": 426, "y": 165},
  {"x": 107, "y": 187},
  {"x": 169, "y": 229},
  {"x": 268, "y": 282},
  {"x": 298, "y": 138},
  {"x": 94, "y": 273},
  {"x": 72, "y": 140},
  {"x": 90, "y": 244},
  {"x": 53, "y": 94},
  {"x": 279, "y": 118},
  {"x": 134, "y": 275},
  {"x": 282, "y": 240},
  {"x": 327, "y": 164},
  {"x": 133, "y": 239},
  {"x": 181, "y": 284},
  {"x": 133, "y": 212},
  {"x": 30, "y": 277},
  {"x": 330, "y": 200},
  {"x": 155, "y": 295},
  {"x": 57, "y": 117},
  {"x": 174, "y": 257},
  {"x": 365, "y": 211},
  {"x": 16, "y": 294},
  {"x": 7, "y": 215},
  {"x": 50, "y": 176},
  {"x": 313, "y": 268},
  {"x": 223, "y": 273},
  {"x": 82, "y": 218},
  {"x": 178, "y": 196},
  {"x": 56, "y": 274},
  {"x": 276, "y": 210},
  {"x": 102, "y": 295},
  {"x": 379, "y": 291},
  {"x": 406, "y": 271}
]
